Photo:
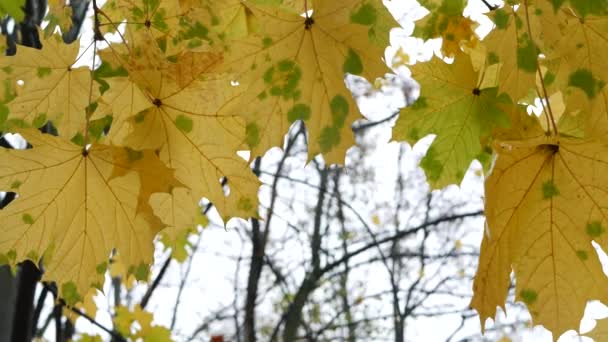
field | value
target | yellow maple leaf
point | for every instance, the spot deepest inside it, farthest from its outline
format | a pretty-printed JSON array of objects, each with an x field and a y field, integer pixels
[
  {"x": 87, "y": 305},
  {"x": 229, "y": 18},
  {"x": 145, "y": 22},
  {"x": 598, "y": 116},
  {"x": 72, "y": 210},
  {"x": 53, "y": 89},
  {"x": 294, "y": 69},
  {"x": 180, "y": 212},
  {"x": 576, "y": 56},
  {"x": 144, "y": 329},
  {"x": 453, "y": 30},
  {"x": 523, "y": 126},
  {"x": 89, "y": 338},
  {"x": 376, "y": 219},
  {"x": 154, "y": 176},
  {"x": 190, "y": 136},
  {"x": 579, "y": 42},
  {"x": 446, "y": 21},
  {"x": 545, "y": 203},
  {"x": 59, "y": 15},
  {"x": 117, "y": 269},
  {"x": 600, "y": 331},
  {"x": 511, "y": 45}
]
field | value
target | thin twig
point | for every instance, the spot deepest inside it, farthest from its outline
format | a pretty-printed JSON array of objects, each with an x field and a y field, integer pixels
[
  {"x": 370, "y": 124},
  {"x": 38, "y": 309},
  {"x": 146, "y": 298},
  {"x": 184, "y": 279},
  {"x": 115, "y": 335},
  {"x": 489, "y": 6},
  {"x": 50, "y": 287},
  {"x": 40, "y": 332}
]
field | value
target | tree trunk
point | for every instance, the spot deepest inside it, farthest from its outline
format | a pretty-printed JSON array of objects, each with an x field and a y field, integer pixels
[
  {"x": 293, "y": 316},
  {"x": 8, "y": 297}
]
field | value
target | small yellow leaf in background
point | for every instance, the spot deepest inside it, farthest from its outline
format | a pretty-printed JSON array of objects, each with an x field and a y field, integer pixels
[
  {"x": 376, "y": 219},
  {"x": 182, "y": 214},
  {"x": 143, "y": 329},
  {"x": 89, "y": 338},
  {"x": 87, "y": 306},
  {"x": 59, "y": 15},
  {"x": 401, "y": 58},
  {"x": 461, "y": 273},
  {"x": 445, "y": 21},
  {"x": 458, "y": 245}
]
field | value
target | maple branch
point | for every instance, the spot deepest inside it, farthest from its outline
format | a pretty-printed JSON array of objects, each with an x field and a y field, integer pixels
[
  {"x": 369, "y": 124},
  {"x": 259, "y": 239},
  {"x": 56, "y": 314},
  {"x": 235, "y": 301},
  {"x": 115, "y": 335},
  {"x": 399, "y": 235},
  {"x": 344, "y": 277},
  {"x": 257, "y": 262},
  {"x": 38, "y": 308},
  {"x": 489, "y": 6},
  {"x": 27, "y": 278},
  {"x": 47, "y": 321},
  {"x": 146, "y": 298},
  {"x": 293, "y": 315},
  {"x": 61, "y": 303},
  {"x": 219, "y": 315},
  {"x": 97, "y": 35},
  {"x": 407, "y": 308}
]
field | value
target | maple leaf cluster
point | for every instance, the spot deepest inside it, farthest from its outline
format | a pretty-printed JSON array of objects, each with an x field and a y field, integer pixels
[
  {"x": 156, "y": 121},
  {"x": 545, "y": 195},
  {"x": 153, "y": 123}
]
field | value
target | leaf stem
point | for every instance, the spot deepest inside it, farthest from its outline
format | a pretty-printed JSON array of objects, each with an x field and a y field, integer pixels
[
  {"x": 60, "y": 302},
  {"x": 547, "y": 106},
  {"x": 489, "y": 6},
  {"x": 155, "y": 283},
  {"x": 87, "y": 113},
  {"x": 96, "y": 31},
  {"x": 97, "y": 36},
  {"x": 115, "y": 335}
]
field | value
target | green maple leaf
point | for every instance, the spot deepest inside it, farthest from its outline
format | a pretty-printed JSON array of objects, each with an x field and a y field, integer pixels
[{"x": 452, "y": 107}]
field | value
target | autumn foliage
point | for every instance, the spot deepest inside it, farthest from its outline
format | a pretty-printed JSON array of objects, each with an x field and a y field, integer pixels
[{"x": 174, "y": 88}]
